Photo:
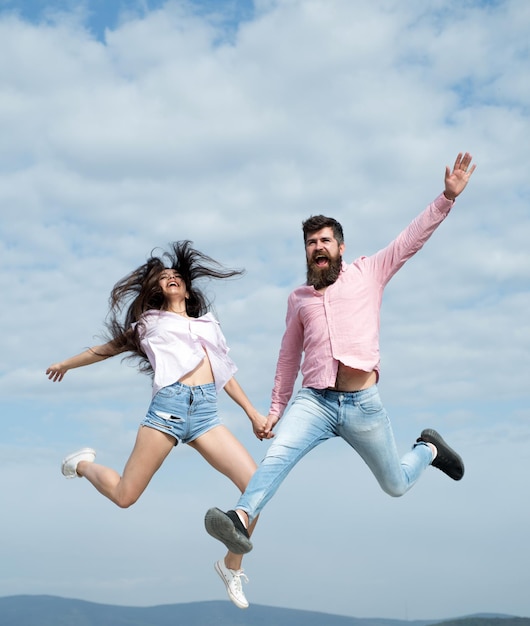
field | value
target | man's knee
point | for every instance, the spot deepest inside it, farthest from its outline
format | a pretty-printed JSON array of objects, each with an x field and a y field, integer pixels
[{"x": 395, "y": 491}]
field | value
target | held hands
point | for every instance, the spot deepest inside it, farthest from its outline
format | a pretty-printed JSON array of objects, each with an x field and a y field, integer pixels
[
  {"x": 456, "y": 180},
  {"x": 272, "y": 420},
  {"x": 262, "y": 426}
]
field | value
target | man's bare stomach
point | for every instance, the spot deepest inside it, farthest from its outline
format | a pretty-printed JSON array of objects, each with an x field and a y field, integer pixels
[{"x": 350, "y": 379}]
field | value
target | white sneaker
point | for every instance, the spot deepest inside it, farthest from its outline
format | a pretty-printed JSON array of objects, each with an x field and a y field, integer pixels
[
  {"x": 232, "y": 580},
  {"x": 69, "y": 466}
]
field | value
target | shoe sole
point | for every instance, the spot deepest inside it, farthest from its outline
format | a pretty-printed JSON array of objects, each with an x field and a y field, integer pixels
[
  {"x": 232, "y": 597},
  {"x": 221, "y": 527},
  {"x": 432, "y": 436}
]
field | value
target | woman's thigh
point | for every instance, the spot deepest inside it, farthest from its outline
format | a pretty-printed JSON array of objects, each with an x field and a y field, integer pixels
[
  {"x": 150, "y": 450},
  {"x": 225, "y": 453}
]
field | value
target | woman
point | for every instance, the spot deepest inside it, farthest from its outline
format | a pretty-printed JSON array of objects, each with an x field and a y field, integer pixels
[{"x": 167, "y": 326}]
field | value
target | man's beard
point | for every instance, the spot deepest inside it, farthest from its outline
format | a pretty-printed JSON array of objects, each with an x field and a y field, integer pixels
[{"x": 320, "y": 277}]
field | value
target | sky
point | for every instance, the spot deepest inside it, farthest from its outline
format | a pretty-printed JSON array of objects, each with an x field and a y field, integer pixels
[{"x": 129, "y": 125}]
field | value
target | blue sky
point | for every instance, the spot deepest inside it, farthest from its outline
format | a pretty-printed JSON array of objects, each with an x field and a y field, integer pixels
[
  {"x": 124, "y": 130},
  {"x": 98, "y": 16}
]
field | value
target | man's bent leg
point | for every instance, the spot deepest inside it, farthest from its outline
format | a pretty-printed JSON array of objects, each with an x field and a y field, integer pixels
[
  {"x": 366, "y": 427},
  {"x": 307, "y": 423}
]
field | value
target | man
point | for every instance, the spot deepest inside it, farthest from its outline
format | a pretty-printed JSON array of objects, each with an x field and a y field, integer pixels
[{"x": 334, "y": 321}]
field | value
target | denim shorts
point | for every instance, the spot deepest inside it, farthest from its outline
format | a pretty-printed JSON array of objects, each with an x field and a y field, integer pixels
[{"x": 183, "y": 412}]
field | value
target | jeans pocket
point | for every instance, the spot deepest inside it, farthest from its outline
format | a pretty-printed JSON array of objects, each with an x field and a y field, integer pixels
[
  {"x": 371, "y": 406},
  {"x": 210, "y": 395},
  {"x": 166, "y": 392}
]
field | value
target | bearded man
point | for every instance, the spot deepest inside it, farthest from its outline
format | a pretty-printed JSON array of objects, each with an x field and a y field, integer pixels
[{"x": 333, "y": 321}]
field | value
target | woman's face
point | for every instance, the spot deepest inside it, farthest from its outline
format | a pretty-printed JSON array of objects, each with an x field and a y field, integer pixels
[{"x": 172, "y": 284}]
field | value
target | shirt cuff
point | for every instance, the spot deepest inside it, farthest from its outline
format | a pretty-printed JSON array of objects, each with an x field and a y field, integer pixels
[{"x": 443, "y": 204}]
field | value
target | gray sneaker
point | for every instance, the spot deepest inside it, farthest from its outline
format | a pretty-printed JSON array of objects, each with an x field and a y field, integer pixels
[
  {"x": 69, "y": 465},
  {"x": 447, "y": 460},
  {"x": 229, "y": 529},
  {"x": 232, "y": 580}
]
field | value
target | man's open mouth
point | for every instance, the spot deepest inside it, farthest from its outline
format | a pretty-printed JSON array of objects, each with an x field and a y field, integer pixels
[{"x": 321, "y": 260}]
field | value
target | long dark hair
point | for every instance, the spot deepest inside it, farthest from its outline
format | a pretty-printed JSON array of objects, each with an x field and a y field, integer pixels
[{"x": 139, "y": 292}]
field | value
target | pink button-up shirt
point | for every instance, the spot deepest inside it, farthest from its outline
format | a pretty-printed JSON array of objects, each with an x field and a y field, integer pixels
[{"x": 342, "y": 323}]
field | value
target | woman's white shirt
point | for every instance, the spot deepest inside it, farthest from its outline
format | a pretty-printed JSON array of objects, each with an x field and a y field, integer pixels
[{"x": 175, "y": 345}]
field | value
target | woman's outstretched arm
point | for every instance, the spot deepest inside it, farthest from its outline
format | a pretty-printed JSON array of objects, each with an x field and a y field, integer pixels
[{"x": 57, "y": 371}]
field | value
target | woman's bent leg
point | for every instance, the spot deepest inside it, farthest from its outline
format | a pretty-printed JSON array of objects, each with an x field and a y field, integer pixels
[{"x": 149, "y": 452}]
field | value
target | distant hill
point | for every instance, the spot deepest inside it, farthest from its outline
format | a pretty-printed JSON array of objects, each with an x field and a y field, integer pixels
[
  {"x": 478, "y": 620},
  {"x": 54, "y": 611}
]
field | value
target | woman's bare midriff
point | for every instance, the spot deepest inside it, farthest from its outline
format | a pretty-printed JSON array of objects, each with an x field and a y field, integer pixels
[
  {"x": 201, "y": 375},
  {"x": 350, "y": 379}
]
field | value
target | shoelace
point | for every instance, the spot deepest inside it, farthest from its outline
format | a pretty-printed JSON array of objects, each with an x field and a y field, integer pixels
[{"x": 236, "y": 580}]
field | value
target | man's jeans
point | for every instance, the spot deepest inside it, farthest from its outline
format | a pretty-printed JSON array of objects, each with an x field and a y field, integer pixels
[{"x": 317, "y": 415}]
